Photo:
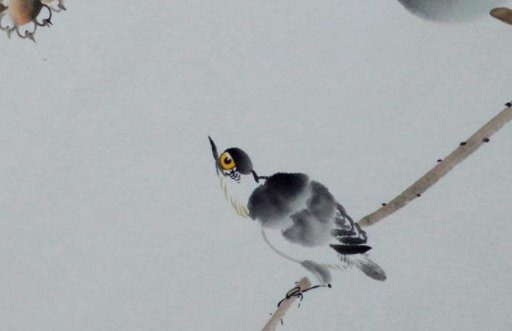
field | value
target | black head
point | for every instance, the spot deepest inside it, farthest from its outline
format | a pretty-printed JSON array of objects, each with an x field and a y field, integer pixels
[{"x": 233, "y": 162}]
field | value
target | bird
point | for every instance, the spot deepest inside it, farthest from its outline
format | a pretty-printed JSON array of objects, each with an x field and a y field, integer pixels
[
  {"x": 300, "y": 213},
  {"x": 450, "y": 10}
]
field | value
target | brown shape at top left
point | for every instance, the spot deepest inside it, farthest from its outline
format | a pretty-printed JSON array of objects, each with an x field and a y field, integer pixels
[{"x": 24, "y": 16}]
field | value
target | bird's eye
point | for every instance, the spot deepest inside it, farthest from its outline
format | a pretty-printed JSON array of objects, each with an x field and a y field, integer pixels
[{"x": 226, "y": 161}]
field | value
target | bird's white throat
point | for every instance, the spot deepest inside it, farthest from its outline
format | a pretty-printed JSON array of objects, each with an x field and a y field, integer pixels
[{"x": 227, "y": 187}]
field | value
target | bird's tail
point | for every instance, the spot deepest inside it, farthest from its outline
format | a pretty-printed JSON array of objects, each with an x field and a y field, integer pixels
[
  {"x": 365, "y": 264},
  {"x": 352, "y": 246}
]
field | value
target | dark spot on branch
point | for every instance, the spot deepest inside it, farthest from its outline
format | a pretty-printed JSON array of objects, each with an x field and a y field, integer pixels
[
  {"x": 418, "y": 195},
  {"x": 439, "y": 160},
  {"x": 485, "y": 140},
  {"x": 463, "y": 143},
  {"x": 383, "y": 204}
]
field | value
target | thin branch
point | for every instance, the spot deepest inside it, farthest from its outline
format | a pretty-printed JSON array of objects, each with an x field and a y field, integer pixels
[
  {"x": 465, "y": 149},
  {"x": 503, "y": 14},
  {"x": 278, "y": 315}
]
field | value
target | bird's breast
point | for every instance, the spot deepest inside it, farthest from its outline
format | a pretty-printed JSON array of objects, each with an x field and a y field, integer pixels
[{"x": 281, "y": 196}]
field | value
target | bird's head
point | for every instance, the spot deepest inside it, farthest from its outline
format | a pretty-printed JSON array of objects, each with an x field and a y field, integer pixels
[
  {"x": 234, "y": 166},
  {"x": 233, "y": 163}
]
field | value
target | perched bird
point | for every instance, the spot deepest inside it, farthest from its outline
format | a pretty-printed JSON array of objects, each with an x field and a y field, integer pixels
[
  {"x": 451, "y": 10},
  {"x": 299, "y": 212}
]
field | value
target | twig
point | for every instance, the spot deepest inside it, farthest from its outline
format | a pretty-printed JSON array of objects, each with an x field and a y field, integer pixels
[
  {"x": 503, "y": 14},
  {"x": 465, "y": 149},
  {"x": 278, "y": 315}
]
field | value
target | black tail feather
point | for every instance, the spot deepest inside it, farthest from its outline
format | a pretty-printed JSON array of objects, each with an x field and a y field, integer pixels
[
  {"x": 351, "y": 249},
  {"x": 352, "y": 246}
]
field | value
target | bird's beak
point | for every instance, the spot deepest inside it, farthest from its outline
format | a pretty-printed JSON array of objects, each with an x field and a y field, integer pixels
[{"x": 215, "y": 154}]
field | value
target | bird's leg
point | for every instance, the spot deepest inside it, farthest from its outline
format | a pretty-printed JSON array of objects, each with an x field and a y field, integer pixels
[{"x": 299, "y": 293}]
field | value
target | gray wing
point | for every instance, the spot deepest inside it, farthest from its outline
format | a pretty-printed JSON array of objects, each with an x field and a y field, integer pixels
[
  {"x": 303, "y": 210},
  {"x": 312, "y": 224},
  {"x": 306, "y": 212},
  {"x": 273, "y": 202}
]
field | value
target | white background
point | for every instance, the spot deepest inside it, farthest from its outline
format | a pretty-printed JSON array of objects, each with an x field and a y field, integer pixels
[{"x": 111, "y": 217}]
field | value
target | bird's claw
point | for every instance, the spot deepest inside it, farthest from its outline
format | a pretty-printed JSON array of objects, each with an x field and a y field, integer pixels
[
  {"x": 298, "y": 292},
  {"x": 294, "y": 292}
]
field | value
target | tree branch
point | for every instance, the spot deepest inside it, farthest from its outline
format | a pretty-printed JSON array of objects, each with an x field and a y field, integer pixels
[
  {"x": 465, "y": 149},
  {"x": 442, "y": 168},
  {"x": 503, "y": 14},
  {"x": 278, "y": 315}
]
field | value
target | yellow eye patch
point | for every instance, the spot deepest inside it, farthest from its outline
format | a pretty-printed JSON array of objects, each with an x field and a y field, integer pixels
[{"x": 226, "y": 161}]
